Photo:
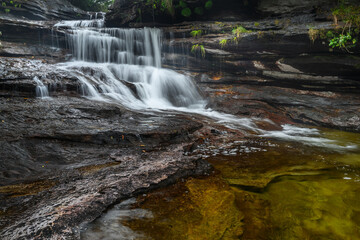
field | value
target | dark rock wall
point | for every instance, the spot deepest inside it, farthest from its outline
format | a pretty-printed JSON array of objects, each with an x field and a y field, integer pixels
[
  {"x": 40, "y": 10},
  {"x": 124, "y": 12}
]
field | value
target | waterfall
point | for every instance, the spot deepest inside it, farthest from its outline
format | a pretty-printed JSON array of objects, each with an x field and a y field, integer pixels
[
  {"x": 41, "y": 90},
  {"x": 124, "y": 66}
]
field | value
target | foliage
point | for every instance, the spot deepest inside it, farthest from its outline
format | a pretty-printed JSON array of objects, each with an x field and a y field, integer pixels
[
  {"x": 223, "y": 43},
  {"x": 10, "y": 4},
  {"x": 238, "y": 31},
  {"x": 350, "y": 15},
  {"x": 186, "y": 12},
  {"x": 343, "y": 41},
  {"x": 162, "y": 5},
  {"x": 313, "y": 34},
  {"x": 196, "y": 33},
  {"x": 198, "y": 47},
  {"x": 181, "y": 8},
  {"x": 209, "y": 4}
]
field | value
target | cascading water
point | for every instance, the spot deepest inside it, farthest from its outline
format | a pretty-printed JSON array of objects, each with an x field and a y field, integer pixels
[
  {"x": 124, "y": 65},
  {"x": 41, "y": 90}
]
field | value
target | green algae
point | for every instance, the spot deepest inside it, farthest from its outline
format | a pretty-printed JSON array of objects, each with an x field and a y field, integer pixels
[{"x": 309, "y": 207}]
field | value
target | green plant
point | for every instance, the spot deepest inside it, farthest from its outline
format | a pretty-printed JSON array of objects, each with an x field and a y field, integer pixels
[
  {"x": 313, "y": 34},
  {"x": 350, "y": 15},
  {"x": 223, "y": 43},
  {"x": 182, "y": 4},
  {"x": 208, "y": 4},
  {"x": 196, "y": 33},
  {"x": 238, "y": 31},
  {"x": 256, "y": 24},
  {"x": 197, "y": 47},
  {"x": 186, "y": 12},
  {"x": 343, "y": 41}
]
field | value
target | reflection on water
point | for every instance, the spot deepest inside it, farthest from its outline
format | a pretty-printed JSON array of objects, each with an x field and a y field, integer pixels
[{"x": 286, "y": 190}]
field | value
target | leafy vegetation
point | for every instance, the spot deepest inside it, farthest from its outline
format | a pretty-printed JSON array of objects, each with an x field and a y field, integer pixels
[
  {"x": 238, "y": 31},
  {"x": 181, "y": 7},
  {"x": 208, "y": 4},
  {"x": 198, "y": 47},
  {"x": 223, "y": 43},
  {"x": 349, "y": 14},
  {"x": 196, "y": 33},
  {"x": 7, "y": 5},
  {"x": 313, "y": 34},
  {"x": 186, "y": 12}
]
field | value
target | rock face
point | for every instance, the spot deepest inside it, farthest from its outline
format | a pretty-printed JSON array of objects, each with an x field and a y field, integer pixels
[
  {"x": 279, "y": 7},
  {"x": 125, "y": 12},
  {"x": 275, "y": 71},
  {"x": 41, "y": 10}
]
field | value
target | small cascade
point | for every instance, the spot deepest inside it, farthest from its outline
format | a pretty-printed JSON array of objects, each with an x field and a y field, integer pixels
[
  {"x": 124, "y": 66},
  {"x": 41, "y": 90},
  {"x": 122, "y": 46},
  {"x": 96, "y": 22}
]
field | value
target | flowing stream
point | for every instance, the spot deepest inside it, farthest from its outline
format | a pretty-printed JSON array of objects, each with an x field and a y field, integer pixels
[{"x": 303, "y": 184}]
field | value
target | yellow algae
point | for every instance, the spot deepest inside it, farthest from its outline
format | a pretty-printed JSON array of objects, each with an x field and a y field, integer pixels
[{"x": 197, "y": 210}]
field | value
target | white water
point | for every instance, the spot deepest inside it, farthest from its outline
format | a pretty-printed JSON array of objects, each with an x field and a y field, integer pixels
[
  {"x": 41, "y": 90},
  {"x": 92, "y": 23},
  {"x": 124, "y": 66}
]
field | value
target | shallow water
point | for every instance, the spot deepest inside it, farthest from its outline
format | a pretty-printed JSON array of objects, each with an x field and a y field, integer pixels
[{"x": 276, "y": 189}]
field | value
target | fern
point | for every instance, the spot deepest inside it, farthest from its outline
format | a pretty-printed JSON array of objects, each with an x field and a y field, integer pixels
[
  {"x": 196, "y": 33},
  {"x": 196, "y": 47},
  {"x": 223, "y": 43}
]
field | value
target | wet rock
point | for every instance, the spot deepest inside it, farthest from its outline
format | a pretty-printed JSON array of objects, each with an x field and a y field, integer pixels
[
  {"x": 82, "y": 195},
  {"x": 66, "y": 159},
  {"x": 42, "y": 10},
  {"x": 274, "y": 72},
  {"x": 279, "y": 7}
]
